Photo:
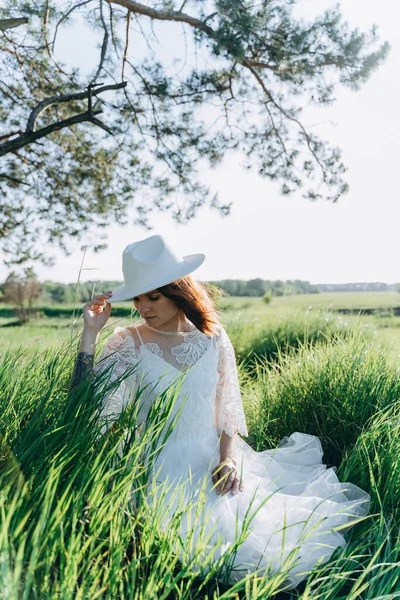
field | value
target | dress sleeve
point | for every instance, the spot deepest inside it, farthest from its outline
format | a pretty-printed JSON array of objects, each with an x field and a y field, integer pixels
[
  {"x": 229, "y": 407},
  {"x": 117, "y": 360}
]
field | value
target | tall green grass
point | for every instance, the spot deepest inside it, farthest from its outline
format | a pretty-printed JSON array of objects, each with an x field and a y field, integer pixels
[
  {"x": 266, "y": 338},
  {"x": 330, "y": 390},
  {"x": 75, "y": 521},
  {"x": 374, "y": 461}
]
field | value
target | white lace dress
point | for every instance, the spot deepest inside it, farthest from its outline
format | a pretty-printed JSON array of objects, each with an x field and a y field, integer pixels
[{"x": 296, "y": 508}]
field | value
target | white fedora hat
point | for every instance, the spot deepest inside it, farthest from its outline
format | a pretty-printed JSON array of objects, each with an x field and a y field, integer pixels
[{"x": 150, "y": 264}]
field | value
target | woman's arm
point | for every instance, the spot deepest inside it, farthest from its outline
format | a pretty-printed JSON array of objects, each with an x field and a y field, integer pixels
[
  {"x": 84, "y": 361},
  {"x": 224, "y": 478},
  {"x": 229, "y": 417},
  {"x": 227, "y": 446},
  {"x": 229, "y": 413},
  {"x": 95, "y": 315}
]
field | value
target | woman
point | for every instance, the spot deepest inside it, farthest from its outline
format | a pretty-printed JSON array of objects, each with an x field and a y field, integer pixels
[{"x": 294, "y": 501}]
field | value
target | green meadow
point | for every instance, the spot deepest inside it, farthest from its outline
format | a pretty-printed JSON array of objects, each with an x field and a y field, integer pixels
[
  {"x": 238, "y": 313},
  {"x": 75, "y": 522}
]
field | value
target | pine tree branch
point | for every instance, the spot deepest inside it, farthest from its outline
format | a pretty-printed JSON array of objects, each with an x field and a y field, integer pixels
[
  {"x": 11, "y": 23},
  {"x": 14, "y": 179},
  {"x": 179, "y": 16},
  {"x": 289, "y": 117},
  {"x": 249, "y": 63},
  {"x": 45, "y": 37},
  {"x": 128, "y": 21},
  {"x": 103, "y": 46},
  {"x": 37, "y": 111},
  {"x": 164, "y": 15},
  {"x": 30, "y": 135},
  {"x": 65, "y": 16},
  {"x": 11, "y": 134}
]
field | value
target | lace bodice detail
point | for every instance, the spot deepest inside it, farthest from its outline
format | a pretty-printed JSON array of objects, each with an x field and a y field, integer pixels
[
  {"x": 155, "y": 349},
  {"x": 141, "y": 357},
  {"x": 181, "y": 350},
  {"x": 191, "y": 349}
]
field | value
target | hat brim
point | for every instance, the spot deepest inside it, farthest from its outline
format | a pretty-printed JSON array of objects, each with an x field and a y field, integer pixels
[{"x": 186, "y": 266}]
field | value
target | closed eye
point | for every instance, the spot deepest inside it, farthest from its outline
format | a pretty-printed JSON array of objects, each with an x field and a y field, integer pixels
[{"x": 153, "y": 299}]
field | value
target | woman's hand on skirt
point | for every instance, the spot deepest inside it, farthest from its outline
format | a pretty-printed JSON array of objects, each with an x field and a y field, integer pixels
[{"x": 226, "y": 478}]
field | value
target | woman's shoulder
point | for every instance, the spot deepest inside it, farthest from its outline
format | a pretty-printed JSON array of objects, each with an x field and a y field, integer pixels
[
  {"x": 133, "y": 329},
  {"x": 219, "y": 330},
  {"x": 121, "y": 337},
  {"x": 220, "y": 336},
  {"x": 120, "y": 333},
  {"x": 118, "y": 348},
  {"x": 131, "y": 334}
]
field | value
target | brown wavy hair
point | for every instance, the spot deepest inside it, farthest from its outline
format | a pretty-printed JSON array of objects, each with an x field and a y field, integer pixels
[{"x": 197, "y": 301}]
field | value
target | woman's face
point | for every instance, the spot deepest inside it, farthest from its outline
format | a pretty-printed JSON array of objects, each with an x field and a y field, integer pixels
[{"x": 155, "y": 308}]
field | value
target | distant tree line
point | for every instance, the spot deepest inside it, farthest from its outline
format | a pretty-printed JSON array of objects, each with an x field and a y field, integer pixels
[
  {"x": 24, "y": 291},
  {"x": 359, "y": 287},
  {"x": 258, "y": 287},
  {"x": 66, "y": 293}
]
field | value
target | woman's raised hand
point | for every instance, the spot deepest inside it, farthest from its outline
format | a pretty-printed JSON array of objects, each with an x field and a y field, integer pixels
[{"x": 96, "y": 312}]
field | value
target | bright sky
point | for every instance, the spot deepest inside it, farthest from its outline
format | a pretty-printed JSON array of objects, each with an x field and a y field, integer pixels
[{"x": 272, "y": 237}]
